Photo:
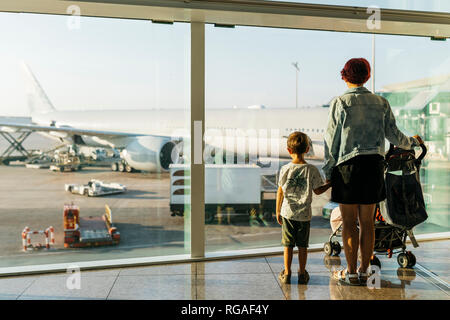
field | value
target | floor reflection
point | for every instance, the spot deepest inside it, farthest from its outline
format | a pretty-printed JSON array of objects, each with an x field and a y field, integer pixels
[
  {"x": 250, "y": 278},
  {"x": 332, "y": 262},
  {"x": 381, "y": 286},
  {"x": 388, "y": 290}
]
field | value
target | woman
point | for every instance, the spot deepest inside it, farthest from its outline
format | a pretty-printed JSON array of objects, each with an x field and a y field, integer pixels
[{"x": 358, "y": 124}]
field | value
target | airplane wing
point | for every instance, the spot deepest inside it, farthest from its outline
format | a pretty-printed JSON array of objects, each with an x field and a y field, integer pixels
[
  {"x": 114, "y": 139},
  {"x": 70, "y": 131}
]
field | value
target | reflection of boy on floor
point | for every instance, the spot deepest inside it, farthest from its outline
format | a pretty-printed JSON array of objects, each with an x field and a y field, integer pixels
[{"x": 297, "y": 180}]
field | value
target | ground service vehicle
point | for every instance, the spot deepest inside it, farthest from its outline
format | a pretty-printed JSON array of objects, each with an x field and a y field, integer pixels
[
  {"x": 95, "y": 188},
  {"x": 66, "y": 161}
]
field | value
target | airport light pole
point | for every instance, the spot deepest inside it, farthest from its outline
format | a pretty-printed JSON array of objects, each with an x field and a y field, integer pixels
[
  {"x": 297, "y": 69},
  {"x": 373, "y": 63}
]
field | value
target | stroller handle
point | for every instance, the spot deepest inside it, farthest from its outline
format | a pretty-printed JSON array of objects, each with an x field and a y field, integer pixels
[
  {"x": 419, "y": 159},
  {"x": 424, "y": 152}
]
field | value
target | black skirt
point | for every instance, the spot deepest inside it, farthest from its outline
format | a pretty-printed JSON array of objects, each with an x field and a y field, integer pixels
[{"x": 359, "y": 180}]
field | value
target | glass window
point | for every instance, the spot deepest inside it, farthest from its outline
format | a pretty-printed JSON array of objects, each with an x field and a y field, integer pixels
[
  {"x": 420, "y": 99},
  {"x": 254, "y": 66},
  {"x": 115, "y": 94},
  {"x": 128, "y": 83}
]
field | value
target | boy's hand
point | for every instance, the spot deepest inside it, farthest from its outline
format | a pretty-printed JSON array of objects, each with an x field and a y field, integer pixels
[
  {"x": 323, "y": 188},
  {"x": 279, "y": 219}
]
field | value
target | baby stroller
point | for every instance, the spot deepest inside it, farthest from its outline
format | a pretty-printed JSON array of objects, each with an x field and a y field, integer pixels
[
  {"x": 395, "y": 217},
  {"x": 333, "y": 247}
]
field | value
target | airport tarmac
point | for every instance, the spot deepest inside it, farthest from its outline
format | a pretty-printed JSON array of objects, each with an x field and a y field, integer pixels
[{"x": 35, "y": 198}]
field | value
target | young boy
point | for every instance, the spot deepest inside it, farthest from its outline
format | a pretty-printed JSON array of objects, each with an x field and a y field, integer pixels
[{"x": 297, "y": 180}]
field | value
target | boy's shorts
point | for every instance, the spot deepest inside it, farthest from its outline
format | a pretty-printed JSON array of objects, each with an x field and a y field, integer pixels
[{"x": 295, "y": 233}]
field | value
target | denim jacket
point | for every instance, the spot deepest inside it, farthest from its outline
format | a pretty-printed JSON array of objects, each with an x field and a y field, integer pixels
[{"x": 358, "y": 123}]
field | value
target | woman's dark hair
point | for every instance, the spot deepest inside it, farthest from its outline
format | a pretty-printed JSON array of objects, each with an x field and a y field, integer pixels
[
  {"x": 356, "y": 71},
  {"x": 297, "y": 142}
]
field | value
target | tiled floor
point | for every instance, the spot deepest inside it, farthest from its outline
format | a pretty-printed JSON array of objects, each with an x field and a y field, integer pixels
[{"x": 251, "y": 278}]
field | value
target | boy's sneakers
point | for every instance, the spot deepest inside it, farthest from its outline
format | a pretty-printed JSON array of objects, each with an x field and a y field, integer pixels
[
  {"x": 303, "y": 278},
  {"x": 284, "y": 278}
]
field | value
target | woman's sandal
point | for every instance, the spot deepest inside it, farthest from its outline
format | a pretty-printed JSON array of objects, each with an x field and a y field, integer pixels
[
  {"x": 363, "y": 276},
  {"x": 343, "y": 276}
]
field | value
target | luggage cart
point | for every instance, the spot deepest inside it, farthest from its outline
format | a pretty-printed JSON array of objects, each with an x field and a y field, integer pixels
[{"x": 80, "y": 232}]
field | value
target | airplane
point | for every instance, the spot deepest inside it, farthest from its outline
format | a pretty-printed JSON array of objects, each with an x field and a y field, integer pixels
[{"x": 151, "y": 140}]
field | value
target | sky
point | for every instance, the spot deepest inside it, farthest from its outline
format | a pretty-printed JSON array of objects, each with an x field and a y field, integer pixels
[{"x": 129, "y": 64}]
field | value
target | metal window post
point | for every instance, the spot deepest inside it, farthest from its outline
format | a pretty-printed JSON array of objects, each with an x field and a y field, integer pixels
[{"x": 197, "y": 212}]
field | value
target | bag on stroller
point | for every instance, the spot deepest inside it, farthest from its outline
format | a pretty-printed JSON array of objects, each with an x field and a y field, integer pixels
[{"x": 404, "y": 205}]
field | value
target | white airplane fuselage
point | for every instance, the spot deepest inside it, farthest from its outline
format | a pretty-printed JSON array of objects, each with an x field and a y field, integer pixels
[
  {"x": 266, "y": 125},
  {"x": 258, "y": 132}
]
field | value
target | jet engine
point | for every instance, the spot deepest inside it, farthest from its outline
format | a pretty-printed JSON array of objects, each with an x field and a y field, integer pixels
[{"x": 153, "y": 154}]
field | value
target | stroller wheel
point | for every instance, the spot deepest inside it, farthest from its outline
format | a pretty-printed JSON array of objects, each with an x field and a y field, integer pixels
[
  {"x": 374, "y": 261},
  {"x": 411, "y": 258},
  {"x": 403, "y": 260},
  {"x": 336, "y": 246},
  {"x": 327, "y": 248}
]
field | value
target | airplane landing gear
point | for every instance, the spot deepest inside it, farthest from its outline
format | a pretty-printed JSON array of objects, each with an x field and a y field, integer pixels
[{"x": 122, "y": 166}]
